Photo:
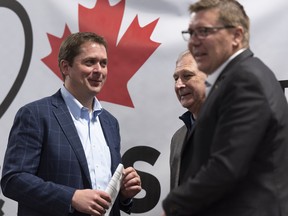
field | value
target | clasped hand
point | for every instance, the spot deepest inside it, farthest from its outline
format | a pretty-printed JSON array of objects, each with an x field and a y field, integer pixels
[{"x": 96, "y": 202}]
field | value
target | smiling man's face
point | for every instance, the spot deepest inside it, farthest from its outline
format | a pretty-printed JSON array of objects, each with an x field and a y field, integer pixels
[
  {"x": 88, "y": 72},
  {"x": 189, "y": 83},
  {"x": 213, "y": 50}
]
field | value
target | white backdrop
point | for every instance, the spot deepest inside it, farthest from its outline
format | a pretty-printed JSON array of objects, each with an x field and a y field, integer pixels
[{"x": 154, "y": 117}]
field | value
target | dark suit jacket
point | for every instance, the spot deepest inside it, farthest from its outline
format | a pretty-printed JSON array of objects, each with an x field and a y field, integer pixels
[
  {"x": 177, "y": 142},
  {"x": 45, "y": 162},
  {"x": 236, "y": 160},
  {"x": 176, "y": 147}
]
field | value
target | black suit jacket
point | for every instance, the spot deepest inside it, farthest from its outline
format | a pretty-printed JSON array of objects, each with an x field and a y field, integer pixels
[
  {"x": 179, "y": 140},
  {"x": 236, "y": 160},
  {"x": 45, "y": 161}
]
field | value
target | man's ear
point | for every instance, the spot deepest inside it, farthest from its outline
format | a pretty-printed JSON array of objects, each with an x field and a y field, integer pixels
[
  {"x": 64, "y": 67},
  {"x": 238, "y": 36}
]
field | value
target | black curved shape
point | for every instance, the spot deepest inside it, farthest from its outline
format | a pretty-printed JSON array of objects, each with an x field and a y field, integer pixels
[
  {"x": 284, "y": 84},
  {"x": 22, "y": 14},
  {"x": 1, "y": 205}
]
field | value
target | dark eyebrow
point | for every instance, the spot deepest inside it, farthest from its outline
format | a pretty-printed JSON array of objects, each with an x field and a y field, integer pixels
[{"x": 189, "y": 71}]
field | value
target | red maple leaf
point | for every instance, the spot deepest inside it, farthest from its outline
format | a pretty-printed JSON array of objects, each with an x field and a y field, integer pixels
[{"x": 125, "y": 58}]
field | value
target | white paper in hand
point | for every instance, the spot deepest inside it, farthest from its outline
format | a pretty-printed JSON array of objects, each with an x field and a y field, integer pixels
[{"x": 114, "y": 186}]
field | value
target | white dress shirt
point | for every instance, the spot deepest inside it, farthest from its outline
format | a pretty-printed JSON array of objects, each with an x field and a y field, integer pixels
[
  {"x": 211, "y": 79},
  {"x": 92, "y": 138}
]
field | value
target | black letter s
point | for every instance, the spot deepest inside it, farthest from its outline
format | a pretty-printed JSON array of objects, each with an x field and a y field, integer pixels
[{"x": 149, "y": 182}]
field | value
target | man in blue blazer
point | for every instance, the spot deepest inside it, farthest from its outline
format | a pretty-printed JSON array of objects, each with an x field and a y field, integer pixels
[
  {"x": 63, "y": 149},
  {"x": 235, "y": 161}
]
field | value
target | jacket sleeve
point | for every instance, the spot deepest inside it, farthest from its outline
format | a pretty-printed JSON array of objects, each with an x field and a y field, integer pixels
[
  {"x": 21, "y": 163},
  {"x": 241, "y": 108}
]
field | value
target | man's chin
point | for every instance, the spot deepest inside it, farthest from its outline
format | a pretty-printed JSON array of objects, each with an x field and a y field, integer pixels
[
  {"x": 185, "y": 105},
  {"x": 96, "y": 90}
]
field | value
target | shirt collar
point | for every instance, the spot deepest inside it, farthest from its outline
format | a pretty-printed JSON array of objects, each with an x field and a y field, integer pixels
[
  {"x": 75, "y": 107},
  {"x": 211, "y": 79},
  {"x": 188, "y": 119}
]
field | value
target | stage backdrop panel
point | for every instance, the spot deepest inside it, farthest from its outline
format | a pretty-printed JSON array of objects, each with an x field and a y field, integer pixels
[{"x": 144, "y": 41}]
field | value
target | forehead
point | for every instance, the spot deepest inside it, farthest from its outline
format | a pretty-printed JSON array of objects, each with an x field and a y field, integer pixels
[
  {"x": 204, "y": 17},
  {"x": 187, "y": 64},
  {"x": 185, "y": 61},
  {"x": 90, "y": 47}
]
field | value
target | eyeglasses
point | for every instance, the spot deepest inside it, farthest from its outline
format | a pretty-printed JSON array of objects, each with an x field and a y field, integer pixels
[{"x": 202, "y": 32}]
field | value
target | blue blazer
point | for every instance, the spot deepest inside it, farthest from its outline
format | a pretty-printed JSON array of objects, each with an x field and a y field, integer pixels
[{"x": 45, "y": 162}]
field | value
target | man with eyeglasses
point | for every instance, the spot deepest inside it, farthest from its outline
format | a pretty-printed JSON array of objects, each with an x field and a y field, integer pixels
[{"x": 236, "y": 161}]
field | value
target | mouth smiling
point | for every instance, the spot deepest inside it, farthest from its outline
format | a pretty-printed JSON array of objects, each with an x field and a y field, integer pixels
[
  {"x": 95, "y": 82},
  {"x": 199, "y": 55},
  {"x": 183, "y": 95}
]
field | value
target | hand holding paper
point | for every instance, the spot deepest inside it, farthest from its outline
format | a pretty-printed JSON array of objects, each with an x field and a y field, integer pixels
[{"x": 114, "y": 185}]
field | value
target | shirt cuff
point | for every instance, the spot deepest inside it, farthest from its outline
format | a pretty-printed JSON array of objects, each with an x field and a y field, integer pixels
[{"x": 126, "y": 202}]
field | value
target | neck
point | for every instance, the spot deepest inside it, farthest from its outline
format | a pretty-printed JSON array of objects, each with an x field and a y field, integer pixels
[{"x": 85, "y": 99}]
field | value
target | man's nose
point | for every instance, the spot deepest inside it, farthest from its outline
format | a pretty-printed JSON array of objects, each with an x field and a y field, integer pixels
[
  {"x": 96, "y": 67},
  {"x": 179, "y": 83}
]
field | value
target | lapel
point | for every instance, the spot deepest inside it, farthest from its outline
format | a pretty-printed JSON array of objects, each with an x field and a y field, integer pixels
[
  {"x": 107, "y": 128},
  {"x": 239, "y": 58},
  {"x": 65, "y": 121},
  {"x": 177, "y": 144},
  {"x": 226, "y": 71},
  {"x": 229, "y": 69},
  {"x": 209, "y": 103}
]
